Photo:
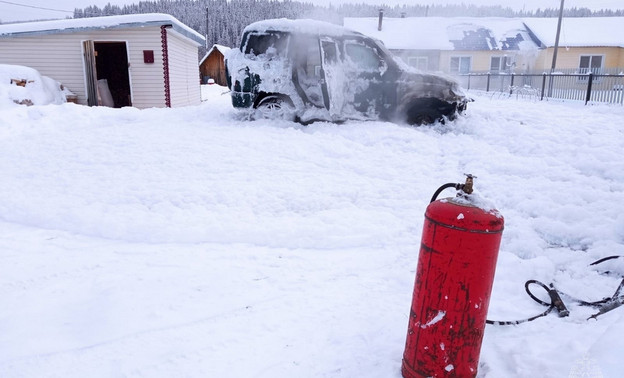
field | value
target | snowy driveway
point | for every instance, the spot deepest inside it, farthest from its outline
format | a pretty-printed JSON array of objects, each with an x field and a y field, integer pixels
[{"x": 186, "y": 242}]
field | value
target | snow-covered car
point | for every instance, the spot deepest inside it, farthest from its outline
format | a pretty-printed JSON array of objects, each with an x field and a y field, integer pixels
[{"x": 308, "y": 70}]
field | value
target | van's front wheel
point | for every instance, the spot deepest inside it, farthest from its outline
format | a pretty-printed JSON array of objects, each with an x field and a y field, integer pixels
[
  {"x": 423, "y": 117},
  {"x": 275, "y": 107},
  {"x": 428, "y": 111}
]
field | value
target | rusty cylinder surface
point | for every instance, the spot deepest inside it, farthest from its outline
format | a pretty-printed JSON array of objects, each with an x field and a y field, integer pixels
[{"x": 454, "y": 277}]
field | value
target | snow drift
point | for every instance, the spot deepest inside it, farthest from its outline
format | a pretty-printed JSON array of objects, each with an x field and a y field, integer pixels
[{"x": 26, "y": 86}]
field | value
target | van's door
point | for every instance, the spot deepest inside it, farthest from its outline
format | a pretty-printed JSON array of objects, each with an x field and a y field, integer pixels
[
  {"x": 307, "y": 70},
  {"x": 333, "y": 78},
  {"x": 365, "y": 69}
]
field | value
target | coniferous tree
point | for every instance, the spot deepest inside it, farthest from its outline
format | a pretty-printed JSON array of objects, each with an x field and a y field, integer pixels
[{"x": 222, "y": 21}]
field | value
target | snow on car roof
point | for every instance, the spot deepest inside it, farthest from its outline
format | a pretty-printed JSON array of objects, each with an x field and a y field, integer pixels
[
  {"x": 78, "y": 24},
  {"x": 305, "y": 26}
]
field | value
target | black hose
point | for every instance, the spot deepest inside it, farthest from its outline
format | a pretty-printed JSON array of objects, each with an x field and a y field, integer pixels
[
  {"x": 604, "y": 305},
  {"x": 605, "y": 259},
  {"x": 555, "y": 303},
  {"x": 445, "y": 186}
]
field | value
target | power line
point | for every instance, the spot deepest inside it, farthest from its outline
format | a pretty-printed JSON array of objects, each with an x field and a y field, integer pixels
[{"x": 35, "y": 7}]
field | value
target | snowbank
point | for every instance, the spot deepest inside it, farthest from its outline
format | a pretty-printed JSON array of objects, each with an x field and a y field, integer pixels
[{"x": 24, "y": 85}]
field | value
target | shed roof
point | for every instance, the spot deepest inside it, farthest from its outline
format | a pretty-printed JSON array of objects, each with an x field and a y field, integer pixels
[
  {"x": 447, "y": 33},
  {"x": 222, "y": 49},
  {"x": 76, "y": 25},
  {"x": 579, "y": 31}
]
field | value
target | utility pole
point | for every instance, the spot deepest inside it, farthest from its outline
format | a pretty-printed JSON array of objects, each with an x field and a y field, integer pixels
[
  {"x": 207, "y": 25},
  {"x": 554, "y": 60}
]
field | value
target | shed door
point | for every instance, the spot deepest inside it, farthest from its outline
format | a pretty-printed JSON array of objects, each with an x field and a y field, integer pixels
[
  {"x": 111, "y": 62},
  {"x": 90, "y": 74},
  {"x": 106, "y": 74}
]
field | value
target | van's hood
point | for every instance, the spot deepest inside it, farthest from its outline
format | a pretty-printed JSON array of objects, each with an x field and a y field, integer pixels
[{"x": 421, "y": 84}]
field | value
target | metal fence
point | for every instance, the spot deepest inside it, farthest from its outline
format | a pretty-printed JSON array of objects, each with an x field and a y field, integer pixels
[{"x": 587, "y": 87}]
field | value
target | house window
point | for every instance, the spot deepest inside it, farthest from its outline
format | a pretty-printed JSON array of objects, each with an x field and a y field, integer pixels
[
  {"x": 591, "y": 63},
  {"x": 420, "y": 62},
  {"x": 500, "y": 64},
  {"x": 461, "y": 64}
]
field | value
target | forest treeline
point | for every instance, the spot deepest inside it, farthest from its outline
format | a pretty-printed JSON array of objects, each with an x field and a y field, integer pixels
[{"x": 222, "y": 21}]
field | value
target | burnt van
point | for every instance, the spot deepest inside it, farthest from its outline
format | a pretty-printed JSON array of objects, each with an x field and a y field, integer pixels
[{"x": 305, "y": 71}]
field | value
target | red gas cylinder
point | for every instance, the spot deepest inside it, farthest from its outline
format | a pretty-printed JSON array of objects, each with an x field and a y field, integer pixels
[{"x": 454, "y": 277}]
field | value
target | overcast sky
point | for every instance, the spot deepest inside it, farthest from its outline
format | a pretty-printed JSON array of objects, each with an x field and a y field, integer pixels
[{"x": 22, "y": 10}]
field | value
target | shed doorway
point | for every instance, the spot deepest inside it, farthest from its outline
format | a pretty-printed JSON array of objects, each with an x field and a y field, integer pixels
[{"x": 108, "y": 81}]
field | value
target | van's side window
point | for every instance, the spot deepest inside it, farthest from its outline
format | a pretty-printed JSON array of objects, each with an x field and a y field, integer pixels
[
  {"x": 364, "y": 57},
  {"x": 271, "y": 44},
  {"x": 329, "y": 52},
  {"x": 306, "y": 55}
]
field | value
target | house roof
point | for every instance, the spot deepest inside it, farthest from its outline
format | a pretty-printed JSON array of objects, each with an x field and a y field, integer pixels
[
  {"x": 579, "y": 31},
  {"x": 220, "y": 48},
  {"x": 447, "y": 33},
  {"x": 75, "y": 25}
]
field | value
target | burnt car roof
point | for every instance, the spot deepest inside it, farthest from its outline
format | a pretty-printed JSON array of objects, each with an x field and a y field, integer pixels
[{"x": 302, "y": 26}]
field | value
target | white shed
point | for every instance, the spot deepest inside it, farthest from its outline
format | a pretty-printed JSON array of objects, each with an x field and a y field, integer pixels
[{"x": 142, "y": 60}]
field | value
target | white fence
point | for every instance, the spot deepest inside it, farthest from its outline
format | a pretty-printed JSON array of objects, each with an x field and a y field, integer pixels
[{"x": 587, "y": 87}]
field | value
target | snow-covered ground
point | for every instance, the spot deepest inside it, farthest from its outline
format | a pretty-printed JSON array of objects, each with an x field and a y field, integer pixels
[{"x": 190, "y": 243}]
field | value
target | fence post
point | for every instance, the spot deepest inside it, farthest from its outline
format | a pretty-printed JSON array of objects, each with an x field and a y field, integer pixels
[
  {"x": 487, "y": 87},
  {"x": 589, "y": 87},
  {"x": 469, "y": 81},
  {"x": 543, "y": 85},
  {"x": 511, "y": 84}
]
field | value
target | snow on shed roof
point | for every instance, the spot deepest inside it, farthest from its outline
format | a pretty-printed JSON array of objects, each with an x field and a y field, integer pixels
[
  {"x": 107, "y": 22},
  {"x": 447, "y": 33},
  {"x": 299, "y": 26},
  {"x": 579, "y": 31},
  {"x": 221, "y": 48}
]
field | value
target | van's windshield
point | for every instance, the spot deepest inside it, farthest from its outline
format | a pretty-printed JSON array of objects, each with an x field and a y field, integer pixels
[{"x": 270, "y": 43}]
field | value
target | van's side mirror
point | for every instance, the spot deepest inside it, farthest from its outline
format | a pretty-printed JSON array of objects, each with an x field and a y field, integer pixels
[{"x": 383, "y": 66}]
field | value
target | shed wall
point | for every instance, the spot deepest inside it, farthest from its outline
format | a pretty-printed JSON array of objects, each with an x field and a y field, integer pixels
[
  {"x": 214, "y": 67},
  {"x": 60, "y": 57},
  {"x": 184, "y": 80}
]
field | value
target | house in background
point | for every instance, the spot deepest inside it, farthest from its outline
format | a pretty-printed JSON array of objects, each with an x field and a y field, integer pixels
[
  {"x": 143, "y": 60},
  {"x": 455, "y": 45},
  {"x": 212, "y": 65},
  {"x": 586, "y": 44}
]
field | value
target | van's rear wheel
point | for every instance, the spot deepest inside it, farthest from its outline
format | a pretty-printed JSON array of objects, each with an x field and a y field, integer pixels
[{"x": 275, "y": 107}]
